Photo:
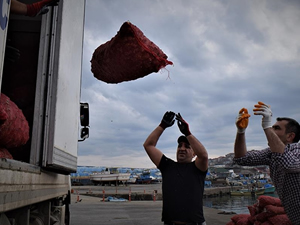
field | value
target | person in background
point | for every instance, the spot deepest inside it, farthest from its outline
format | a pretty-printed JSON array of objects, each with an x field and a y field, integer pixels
[
  {"x": 33, "y": 9},
  {"x": 182, "y": 181},
  {"x": 282, "y": 156}
]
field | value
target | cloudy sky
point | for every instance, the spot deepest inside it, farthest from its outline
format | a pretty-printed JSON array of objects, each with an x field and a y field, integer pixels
[{"x": 226, "y": 54}]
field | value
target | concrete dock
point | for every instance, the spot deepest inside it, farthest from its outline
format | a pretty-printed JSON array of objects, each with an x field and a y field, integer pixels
[
  {"x": 141, "y": 191},
  {"x": 92, "y": 210}
]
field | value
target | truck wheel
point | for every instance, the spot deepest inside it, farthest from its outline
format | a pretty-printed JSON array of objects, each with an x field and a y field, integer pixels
[{"x": 36, "y": 219}]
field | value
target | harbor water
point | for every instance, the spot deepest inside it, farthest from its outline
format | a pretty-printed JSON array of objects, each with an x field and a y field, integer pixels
[
  {"x": 237, "y": 204},
  {"x": 225, "y": 202}
]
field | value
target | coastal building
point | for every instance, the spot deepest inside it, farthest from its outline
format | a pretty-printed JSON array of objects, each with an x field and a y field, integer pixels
[{"x": 220, "y": 170}]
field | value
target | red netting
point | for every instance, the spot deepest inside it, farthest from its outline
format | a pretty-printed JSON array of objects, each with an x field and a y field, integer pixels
[
  {"x": 252, "y": 210},
  {"x": 267, "y": 223},
  {"x": 127, "y": 56},
  {"x": 264, "y": 200},
  {"x": 5, "y": 154},
  {"x": 263, "y": 216},
  {"x": 275, "y": 210},
  {"x": 267, "y": 211},
  {"x": 14, "y": 129},
  {"x": 280, "y": 220},
  {"x": 239, "y": 217}
]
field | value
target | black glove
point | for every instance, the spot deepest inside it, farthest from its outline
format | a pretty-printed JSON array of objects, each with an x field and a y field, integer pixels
[
  {"x": 183, "y": 125},
  {"x": 167, "y": 120}
]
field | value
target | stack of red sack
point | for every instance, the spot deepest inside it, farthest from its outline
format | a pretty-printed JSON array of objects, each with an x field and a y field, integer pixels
[
  {"x": 267, "y": 211},
  {"x": 14, "y": 128}
]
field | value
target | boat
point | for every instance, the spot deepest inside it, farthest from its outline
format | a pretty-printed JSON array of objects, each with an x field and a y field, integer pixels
[
  {"x": 269, "y": 189},
  {"x": 233, "y": 181},
  {"x": 109, "y": 176},
  {"x": 156, "y": 177},
  {"x": 144, "y": 178},
  {"x": 132, "y": 179},
  {"x": 247, "y": 192},
  {"x": 115, "y": 199}
]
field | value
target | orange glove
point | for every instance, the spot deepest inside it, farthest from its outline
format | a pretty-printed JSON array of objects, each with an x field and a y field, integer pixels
[
  {"x": 264, "y": 110},
  {"x": 242, "y": 120}
]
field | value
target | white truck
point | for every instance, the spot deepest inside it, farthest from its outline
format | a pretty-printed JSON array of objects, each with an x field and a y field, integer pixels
[{"x": 40, "y": 71}]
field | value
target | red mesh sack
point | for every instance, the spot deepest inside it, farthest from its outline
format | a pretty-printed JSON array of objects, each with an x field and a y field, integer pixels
[
  {"x": 252, "y": 219},
  {"x": 263, "y": 216},
  {"x": 267, "y": 223},
  {"x": 5, "y": 154},
  {"x": 264, "y": 200},
  {"x": 127, "y": 56},
  {"x": 252, "y": 210},
  {"x": 275, "y": 210},
  {"x": 230, "y": 223},
  {"x": 14, "y": 129},
  {"x": 239, "y": 217},
  {"x": 280, "y": 220},
  {"x": 243, "y": 221},
  {"x": 257, "y": 223}
]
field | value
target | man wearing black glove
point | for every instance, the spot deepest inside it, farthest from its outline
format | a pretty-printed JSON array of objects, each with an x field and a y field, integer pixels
[{"x": 183, "y": 181}]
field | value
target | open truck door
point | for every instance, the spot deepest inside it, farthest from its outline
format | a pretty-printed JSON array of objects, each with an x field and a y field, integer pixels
[{"x": 44, "y": 83}]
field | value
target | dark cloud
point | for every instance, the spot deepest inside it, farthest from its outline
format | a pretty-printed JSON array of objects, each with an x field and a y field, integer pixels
[{"x": 226, "y": 54}]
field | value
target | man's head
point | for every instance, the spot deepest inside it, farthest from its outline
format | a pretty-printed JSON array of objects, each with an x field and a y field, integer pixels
[
  {"x": 287, "y": 129},
  {"x": 185, "y": 153}
]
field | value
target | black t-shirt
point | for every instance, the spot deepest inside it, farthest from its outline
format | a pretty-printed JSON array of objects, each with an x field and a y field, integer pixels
[{"x": 182, "y": 187}]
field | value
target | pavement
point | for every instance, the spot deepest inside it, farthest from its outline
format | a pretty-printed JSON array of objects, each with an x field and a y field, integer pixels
[{"x": 93, "y": 211}]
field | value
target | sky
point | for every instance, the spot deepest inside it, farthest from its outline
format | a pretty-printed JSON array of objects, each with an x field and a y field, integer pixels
[{"x": 226, "y": 55}]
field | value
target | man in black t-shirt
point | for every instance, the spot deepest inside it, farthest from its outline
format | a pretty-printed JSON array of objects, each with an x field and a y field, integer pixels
[{"x": 183, "y": 181}]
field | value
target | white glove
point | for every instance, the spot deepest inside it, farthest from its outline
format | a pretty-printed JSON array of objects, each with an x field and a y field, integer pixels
[
  {"x": 265, "y": 111},
  {"x": 241, "y": 121}
]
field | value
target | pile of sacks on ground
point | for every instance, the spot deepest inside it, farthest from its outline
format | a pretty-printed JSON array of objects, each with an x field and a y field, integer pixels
[{"x": 266, "y": 211}]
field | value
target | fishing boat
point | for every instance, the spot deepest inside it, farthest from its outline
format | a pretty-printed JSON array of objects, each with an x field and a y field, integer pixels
[
  {"x": 132, "y": 179},
  {"x": 144, "y": 178},
  {"x": 247, "y": 192},
  {"x": 109, "y": 176},
  {"x": 269, "y": 189}
]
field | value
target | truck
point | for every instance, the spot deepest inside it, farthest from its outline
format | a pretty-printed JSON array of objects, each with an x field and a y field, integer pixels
[{"x": 40, "y": 72}]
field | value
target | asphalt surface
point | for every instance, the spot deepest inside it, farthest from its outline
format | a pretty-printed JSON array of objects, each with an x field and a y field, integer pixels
[{"x": 93, "y": 211}]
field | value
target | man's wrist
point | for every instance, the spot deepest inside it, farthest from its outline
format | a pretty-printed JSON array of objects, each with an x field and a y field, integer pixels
[
  {"x": 187, "y": 133},
  {"x": 241, "y": 130},
  {"x": 266, "y": 124},
  {"x": 163, "y": 125}
]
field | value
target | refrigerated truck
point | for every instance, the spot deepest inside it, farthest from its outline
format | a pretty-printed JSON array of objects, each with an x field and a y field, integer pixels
[{"x": 40, "y": 71}]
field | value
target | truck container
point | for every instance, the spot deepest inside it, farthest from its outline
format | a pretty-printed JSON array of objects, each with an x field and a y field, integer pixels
[{"x": 40, "y": 72}]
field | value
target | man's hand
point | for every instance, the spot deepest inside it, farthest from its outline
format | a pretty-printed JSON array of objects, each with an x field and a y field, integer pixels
[
  {"x": 39, "y": 8},
  {"x": 265, "y": 111},
  {"x": 183, "y": 125},
  {"x": 242, "y": 120},
  {"x": 167, "y": 120}
]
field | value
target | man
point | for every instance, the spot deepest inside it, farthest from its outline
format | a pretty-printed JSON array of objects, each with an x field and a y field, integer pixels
[
  {"x": 33, "y": 9},
  {"x": 282, "y": 156},
  {"x": 183, "y": 181}
]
